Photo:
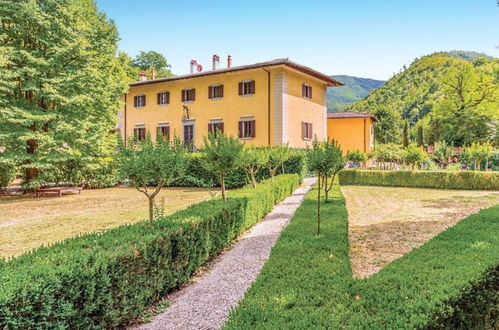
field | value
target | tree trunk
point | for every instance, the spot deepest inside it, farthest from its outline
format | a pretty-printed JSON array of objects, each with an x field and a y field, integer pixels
[
  {"x": 326, "y": 192},
  {"x": 253, "y": 179},
  {"x": 319, "y": 204},
  {"x": 151, "y": 208},
  {"x": 31, "y": 172},
  {"x": 222, "y": 183}
]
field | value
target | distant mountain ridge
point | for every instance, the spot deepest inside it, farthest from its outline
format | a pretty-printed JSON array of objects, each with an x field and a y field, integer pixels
[{"x": 339, "y": 98}]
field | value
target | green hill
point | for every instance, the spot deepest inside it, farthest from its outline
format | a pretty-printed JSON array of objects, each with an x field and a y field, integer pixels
[
  {"x": 428, "y": 92},
  {"x": 339, "y": 98}
]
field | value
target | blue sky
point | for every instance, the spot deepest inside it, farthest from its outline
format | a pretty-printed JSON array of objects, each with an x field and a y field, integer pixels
[{"x": 364, "y": 38}]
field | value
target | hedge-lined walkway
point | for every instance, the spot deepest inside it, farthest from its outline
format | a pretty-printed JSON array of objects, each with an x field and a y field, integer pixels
[{"x": 205, "y": 304}]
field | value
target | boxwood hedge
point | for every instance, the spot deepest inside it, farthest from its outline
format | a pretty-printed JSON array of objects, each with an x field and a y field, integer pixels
[
  {"x": 451, "y": 282},
  {"x": 474, "y": 180},
  {"x": 105, "y": 280}
]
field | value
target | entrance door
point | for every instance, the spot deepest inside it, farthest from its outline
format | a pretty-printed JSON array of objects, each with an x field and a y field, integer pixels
[{"x": 189, "y": 135}]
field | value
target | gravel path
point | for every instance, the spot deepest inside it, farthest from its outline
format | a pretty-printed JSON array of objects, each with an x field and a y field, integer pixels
[{"x": 206, "y": 303}]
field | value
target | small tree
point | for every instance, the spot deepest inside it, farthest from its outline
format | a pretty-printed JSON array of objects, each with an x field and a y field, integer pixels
[
  {"x": 222, "y": 155},
  {"x": 388, "y": 152},
  {"x": 414, "y": 155},
  {"x": 443, "y": 153},
  {"x": 277, "y": 155},
  {"x": 405, "y": 137},
  {"x": 333, "y": 163},
  {"x": 145, "y": 163},
  {"x": 479, "y": 153},
  {"x": 253, "y": 159},
  {"x": 316, "y": 163},
  {"x": 357, "y": 157},
  {"x": 421, "y": 135}
]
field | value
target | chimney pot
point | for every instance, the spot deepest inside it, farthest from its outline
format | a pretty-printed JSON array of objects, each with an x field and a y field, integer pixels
[
  {"x": 153, "y": 73},
  {"x": 142, "y": 76},
  {"x": 229, "y": 61},
  {"x": 215, "y": 62},
  {"x": 199, "y": 68},
  {"x": 194, "y": 65}
]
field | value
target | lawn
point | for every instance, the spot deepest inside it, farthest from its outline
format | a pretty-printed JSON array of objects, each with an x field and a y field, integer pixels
[
  {"x": 387, "y": 222},
  {"x": 28, "y": 222}
]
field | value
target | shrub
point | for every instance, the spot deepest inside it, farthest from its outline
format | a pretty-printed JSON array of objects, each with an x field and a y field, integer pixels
[
  {"x": 423, "y": 179},
  {"x": 414, "y": 155},
  {"x": 357, "y": 157},
  {"x": 105, "y": 280},
  {"x": 451, "y": 282},
  {"x": 7, "y": 173}
]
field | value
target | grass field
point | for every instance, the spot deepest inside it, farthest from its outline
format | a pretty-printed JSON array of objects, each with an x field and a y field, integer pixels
[
  {"x": 27, "y": 222},
  {"x": 387, "y": 222}
]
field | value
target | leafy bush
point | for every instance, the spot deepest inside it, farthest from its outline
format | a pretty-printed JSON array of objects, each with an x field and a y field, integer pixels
[
  {"x": 451, "y": 282},
  {"x": 7, "y": 173},
  {"x": 414, "y": 155},
  {"x": 105, "y": 280},
  {"x": 357, "y": 157},
  {"x": 423, "y": 179}
]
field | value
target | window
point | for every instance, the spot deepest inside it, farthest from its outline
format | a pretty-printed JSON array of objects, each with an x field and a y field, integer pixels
[
  {"x": 139, "y": 101},
  {"x": 247, "y": 129},
  {"x": 306, "y": 131},
  {"x": 188, "y": 95},
  {"x": 215, "y": 127},
  {"x": 139, "y": 133},
  {"x": 163, "y": 98},
  {"x": 247, "y": 87},
  {"x": 163, "y": 132},
  {"x": 189, "y": 135},
  {"x": 306, "y": 91},
  {"x": 216, "y": 92}
]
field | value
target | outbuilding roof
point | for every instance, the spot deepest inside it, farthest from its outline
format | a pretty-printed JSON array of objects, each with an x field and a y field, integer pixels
[
  {"x": 282, "y": 61},
  {"x": 350, "y": 114}
]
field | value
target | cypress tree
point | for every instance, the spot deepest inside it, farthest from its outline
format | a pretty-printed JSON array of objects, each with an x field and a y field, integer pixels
[
  {"x": 421, "y": 135},
  {"x": 405, "y": 138},
  {"x": 60, "y": 82}
]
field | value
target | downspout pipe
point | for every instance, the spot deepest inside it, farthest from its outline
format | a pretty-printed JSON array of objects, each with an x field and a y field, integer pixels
[
  {"x": 365, "y": 148},
  {"x": 268, "y": 104},
  {"x": 124, "y": 125}
]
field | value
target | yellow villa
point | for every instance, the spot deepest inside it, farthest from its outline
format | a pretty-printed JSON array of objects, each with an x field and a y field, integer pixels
[{"x": 264, "y": 104}]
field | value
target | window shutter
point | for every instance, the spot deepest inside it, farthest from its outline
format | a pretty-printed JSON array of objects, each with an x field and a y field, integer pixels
[
  {"x": 310, "y": 131},
  {"x": 135, "y": 133},
  {"x": 252, "y": 87},
  {"x": 253, "y": 128},
  {"x": 222, "y": 92},
  {"x": 183, "y": 95},
  {"x": 303, "y": 131},
  {"x": 193, "y": 94},
  {"x": 240, "y": 88},
  {"x": 167, "y": 97},
  {"x": 210, "y": 128},
  {"x": 310, "y": 92},
  {"x": 221, "y": 127},
  {"x": 135, "y": 101},
  {"x": 167, "y": 133},
  {"x": 144, "y": 100},
  {"x": 143, "y": 133},
  {"x": 159, "y": 98},
  {"x": 240, "y": 127},
  {"x": 303, "y": 90},
  {"x": 210, "y": 92}
]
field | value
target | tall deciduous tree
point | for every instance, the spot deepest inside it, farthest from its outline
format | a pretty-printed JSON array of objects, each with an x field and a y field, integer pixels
[
  {"x": 151, "y": 59},
  {"x": 145, "y": 164},
  {"x": 60, "y": 82}
]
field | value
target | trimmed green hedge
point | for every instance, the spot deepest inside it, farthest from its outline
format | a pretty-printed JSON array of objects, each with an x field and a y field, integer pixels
[
  {"x": 197, "y": 176},
  {"x": 106, "y": 280},
  {"x": 451, "y": 282},
  {"x": 472, "y": 180}
]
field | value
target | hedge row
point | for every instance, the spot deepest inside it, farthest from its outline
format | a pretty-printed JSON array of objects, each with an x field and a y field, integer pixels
[
  {"x": 197, "y": 176},
  {"x": 450, "y": 282},
  {"x": 106, "y": 280},
  {"x": 472, "y": 180}
]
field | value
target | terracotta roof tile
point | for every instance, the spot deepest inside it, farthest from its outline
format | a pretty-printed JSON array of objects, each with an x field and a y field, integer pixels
[{"x": 350, "y": 114}]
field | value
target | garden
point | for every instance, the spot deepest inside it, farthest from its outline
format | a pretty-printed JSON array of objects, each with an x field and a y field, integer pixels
[{"x": 393, "y": 254}]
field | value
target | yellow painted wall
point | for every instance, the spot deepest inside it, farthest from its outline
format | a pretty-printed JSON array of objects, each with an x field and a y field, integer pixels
[
  {"x": 352, "y": 133},
  {"x": 301, "y": 109},
  {"x": 231, "y": 108}
]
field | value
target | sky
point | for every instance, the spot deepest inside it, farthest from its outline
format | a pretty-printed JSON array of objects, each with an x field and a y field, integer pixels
[{"x": 364, "y": 38}]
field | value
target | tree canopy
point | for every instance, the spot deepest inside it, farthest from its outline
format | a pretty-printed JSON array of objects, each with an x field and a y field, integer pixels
[
  {"x": 60, "y": 82},
  {"x": 146, "y": 60}
]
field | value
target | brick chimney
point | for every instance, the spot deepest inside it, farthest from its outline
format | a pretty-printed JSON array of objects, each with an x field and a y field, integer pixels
[
  {"x": 142, "y": 76},
  {"x": 215, "y": 62},
  {"x": 194, "y": 65},
  {"x": 153, "y": 73},
  {"x": 229, "y": 61}
]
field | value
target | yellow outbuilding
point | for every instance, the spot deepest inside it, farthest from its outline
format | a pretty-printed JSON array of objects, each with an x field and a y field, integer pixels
[{"x": 352, "y": 130}]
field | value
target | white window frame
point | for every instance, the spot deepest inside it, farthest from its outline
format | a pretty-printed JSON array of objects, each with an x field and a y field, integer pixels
[
  {"x": 213, "y": 92},
  {"x": 188, "y": 90},
  {"x": 140, "y": 97},
  {"x": 244, "y": 82},
  {"x": 166, "y": 103}
]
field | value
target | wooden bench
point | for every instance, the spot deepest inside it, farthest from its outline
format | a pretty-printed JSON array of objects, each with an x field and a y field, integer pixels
[{"x": 57, "y": 191}]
